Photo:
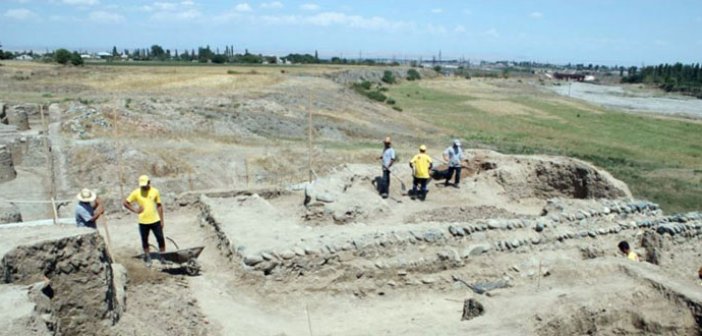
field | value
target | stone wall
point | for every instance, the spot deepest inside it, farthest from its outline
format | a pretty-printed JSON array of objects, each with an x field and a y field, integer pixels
[
  {"x": 18, "y": 117},
  {"x": 7, "y": 168}
]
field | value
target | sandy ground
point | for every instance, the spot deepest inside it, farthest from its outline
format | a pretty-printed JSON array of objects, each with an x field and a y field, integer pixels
[
  {"x": 622, "y": 97},
  {"x": 350, "y": 262},
  {"x": 578, "y": 297}
]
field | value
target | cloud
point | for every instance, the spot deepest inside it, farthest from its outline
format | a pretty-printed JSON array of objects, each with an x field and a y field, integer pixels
[
  {"x": 105, "y": 17},
  {"x": 20, "y": 14},
  {"x": 354, "y": 21},
  {"x": 437, "y": 10},
  {"x": 309, "y": 7},
  {"x": 169, "y": 10},
  {"x": 164, "y": 6},
  {"x": 243, "y": 7},
  {"x": 435, "y": 29},
  {"x": 185, "y": 15},
  {"x": 272, "y": 5},
  {"x": 536, "y": 15},
  {"x": 459, "y": 29},
  {"x": 492, "y": 32},
  {"x": 81, "y": 2}
]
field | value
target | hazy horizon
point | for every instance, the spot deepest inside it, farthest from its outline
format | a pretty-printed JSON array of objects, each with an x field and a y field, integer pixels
[{"x": 600, "y": 32}]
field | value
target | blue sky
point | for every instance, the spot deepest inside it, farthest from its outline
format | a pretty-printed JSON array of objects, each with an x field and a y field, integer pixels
[{"x": 594, "y": 31}]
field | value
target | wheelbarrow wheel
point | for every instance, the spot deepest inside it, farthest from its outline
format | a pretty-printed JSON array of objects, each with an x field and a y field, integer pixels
[{"x": 192, "y": 267}]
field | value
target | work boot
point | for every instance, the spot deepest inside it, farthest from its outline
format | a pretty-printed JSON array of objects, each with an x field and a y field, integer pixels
[
  {"x": 147, "y": 259},
  {"x": 384, "y": 195},
  {"x": 457, "y": 186}
]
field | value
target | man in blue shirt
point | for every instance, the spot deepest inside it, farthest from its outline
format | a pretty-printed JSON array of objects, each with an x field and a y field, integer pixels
[
  {"x": 88, "y": 209},
  {"x": 388, "y": 158}
]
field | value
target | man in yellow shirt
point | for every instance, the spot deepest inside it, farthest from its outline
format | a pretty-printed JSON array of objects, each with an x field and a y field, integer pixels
[
  {"x": 150, "y": 211},
  {"x": 421, "y": 165},
  {"x": 626, "y": 250}
]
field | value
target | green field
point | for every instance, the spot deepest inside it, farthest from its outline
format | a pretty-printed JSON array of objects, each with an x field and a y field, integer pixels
[{"x": 660, "y": 159}]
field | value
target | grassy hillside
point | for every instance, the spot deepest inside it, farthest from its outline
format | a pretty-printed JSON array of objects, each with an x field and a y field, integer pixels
[{"x": 660, "y": 159}]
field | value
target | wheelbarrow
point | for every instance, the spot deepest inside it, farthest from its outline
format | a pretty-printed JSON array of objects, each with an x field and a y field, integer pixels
[{"x": 186, "y": 259}]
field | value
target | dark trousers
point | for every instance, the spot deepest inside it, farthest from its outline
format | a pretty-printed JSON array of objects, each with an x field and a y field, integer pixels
[
  {"x": 419, "y": 182},
  {"x": 158, "y": 232},
  {"x": 451, "y": 171},
  {"x": 385, "y": 182}
]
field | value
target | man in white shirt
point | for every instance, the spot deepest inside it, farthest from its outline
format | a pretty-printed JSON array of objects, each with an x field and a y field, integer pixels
[
  {"x": 454, "y": 156},
  {"x": 388, "y": 158}
]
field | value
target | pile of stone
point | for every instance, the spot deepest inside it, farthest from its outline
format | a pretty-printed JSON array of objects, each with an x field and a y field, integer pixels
[{"x": 84, "y": 120}]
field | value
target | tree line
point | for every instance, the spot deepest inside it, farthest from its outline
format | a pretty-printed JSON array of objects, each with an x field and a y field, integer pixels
[{"x": 678, "y": 77}]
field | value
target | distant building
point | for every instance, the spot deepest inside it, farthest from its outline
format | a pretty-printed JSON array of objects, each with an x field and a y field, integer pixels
[
  {"x": 569, "y": 76},
  {"x": 24, "y": 58}
]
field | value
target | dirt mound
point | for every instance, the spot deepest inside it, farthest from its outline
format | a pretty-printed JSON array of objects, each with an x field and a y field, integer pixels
[
  {"x": 7, "y": 168},
  {"x": 546, "y": 176},
  {"x": 342, "y": 196},
  {"x": 462, "y": 214},
  {"x": 376, "y": 74},
  {"x": 83, "y": 299},
  {"x": 9, "y": 213}
]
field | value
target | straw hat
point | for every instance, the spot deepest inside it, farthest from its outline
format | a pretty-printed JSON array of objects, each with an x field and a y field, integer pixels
[{"x": 86, "y": 195}]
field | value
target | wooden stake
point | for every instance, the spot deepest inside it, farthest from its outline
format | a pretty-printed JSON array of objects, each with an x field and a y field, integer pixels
[
  {"x": 49, "y": 162},
  {"x": 309, "y": 137},
  {"x": 53, "y": 207},
  {"x": 107, "y": 235},
  {"x": 190, "y": 180},
  {"x": 309, "y": 320},
  {"x": 538, "y": 281},
  {"x": 246, "y": 168},
  {"x": 118, "y": 153}
]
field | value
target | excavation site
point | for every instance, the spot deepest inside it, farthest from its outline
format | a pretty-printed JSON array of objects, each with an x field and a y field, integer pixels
[{"x": 275, "y": 220}]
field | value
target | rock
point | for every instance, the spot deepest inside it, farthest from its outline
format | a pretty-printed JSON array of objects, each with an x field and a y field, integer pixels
[
  {"x": 515, "y": 243},
  {"x": 252, "y": 260},
  {"x": 432, "y": 235},
  {"x": 535, "y": 241},
  {"x": 592, "y": 234},
  {"x": 539, "y": 227},
  {"x": 494, "y": 224},
  {"x": 456, "y": 232},
  {"x": 428, "y": 281},
  {"x": 665, "y": 228},
  {"x": 267, "y": 256},
  {"x": 591, "y": 252},
  {"x": 472, "y": 309},
  {"x": 324, "y": 197},
  {"x": 299, "y": 251},
  {"x": 476, "y": 250},
  {"x": 287, "y": 254},
  {"x": 606, "y": 211}
]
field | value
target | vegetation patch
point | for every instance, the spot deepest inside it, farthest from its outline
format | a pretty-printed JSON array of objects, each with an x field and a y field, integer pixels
[{"x": 630, "y": 146}]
